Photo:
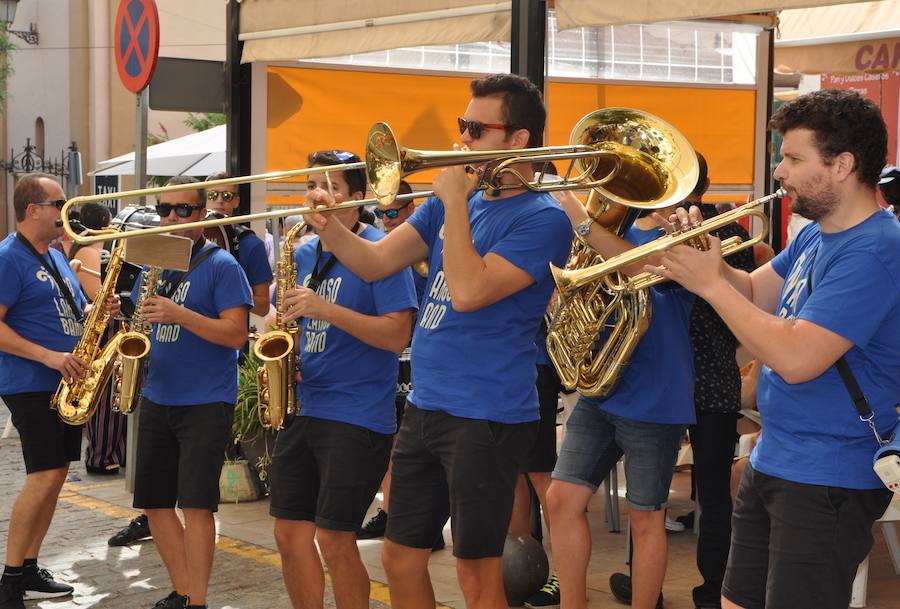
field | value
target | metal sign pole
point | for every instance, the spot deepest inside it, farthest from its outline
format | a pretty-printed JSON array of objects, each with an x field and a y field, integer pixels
[{"x": 140, "y": 181}]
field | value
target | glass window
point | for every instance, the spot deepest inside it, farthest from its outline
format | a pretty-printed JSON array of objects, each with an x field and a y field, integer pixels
[{"x": 679, "y": 51}]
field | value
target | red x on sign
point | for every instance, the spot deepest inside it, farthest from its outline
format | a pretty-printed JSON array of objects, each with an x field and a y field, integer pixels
[{"x": 137, "y": 42}]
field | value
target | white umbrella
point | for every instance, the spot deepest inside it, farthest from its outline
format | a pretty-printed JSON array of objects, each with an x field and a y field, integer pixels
[{"x": 196, "y": 154}]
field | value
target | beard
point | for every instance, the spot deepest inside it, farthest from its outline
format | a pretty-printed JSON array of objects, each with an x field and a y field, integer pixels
[{"x": 815, "y": 205}]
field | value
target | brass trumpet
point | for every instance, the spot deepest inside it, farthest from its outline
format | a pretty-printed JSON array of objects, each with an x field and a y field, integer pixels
[{"x": 569, "y": 280}]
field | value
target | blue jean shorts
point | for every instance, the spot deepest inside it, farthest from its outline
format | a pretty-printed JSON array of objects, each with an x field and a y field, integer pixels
[{"x": 595, "y": 440}]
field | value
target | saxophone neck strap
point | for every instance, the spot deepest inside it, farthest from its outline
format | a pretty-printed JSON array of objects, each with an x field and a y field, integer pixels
[{"x": 54, "y": 272}]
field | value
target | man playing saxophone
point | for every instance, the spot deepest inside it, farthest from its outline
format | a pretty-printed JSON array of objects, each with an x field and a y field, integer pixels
[
  {"x": 328, "y": 463},
  {"x": 200, "y": 321},
  {"x": 41, "y": 313},
  {"x": 473, "y": 413}
]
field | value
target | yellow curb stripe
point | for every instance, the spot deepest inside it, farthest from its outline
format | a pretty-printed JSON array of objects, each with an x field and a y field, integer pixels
[{"x": 378, "y": 592}]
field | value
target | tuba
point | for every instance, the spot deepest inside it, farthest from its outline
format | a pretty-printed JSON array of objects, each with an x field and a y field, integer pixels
[
  {"x": 276, "y": 348},
  {"x": 75, "y": 401},
  {"x": 132, "y": 347},
  {"x": 652, "y": 166}
]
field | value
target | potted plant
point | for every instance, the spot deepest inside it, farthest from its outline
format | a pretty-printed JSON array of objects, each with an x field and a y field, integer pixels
[{"x": 256, "y": 443}]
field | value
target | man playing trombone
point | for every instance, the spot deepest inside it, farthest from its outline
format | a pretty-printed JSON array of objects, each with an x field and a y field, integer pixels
[{"x": 472, "y": 416}]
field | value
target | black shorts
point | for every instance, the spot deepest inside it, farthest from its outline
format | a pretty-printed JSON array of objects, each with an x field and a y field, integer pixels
[
  {"x": 543, "y": 455},
  {"x": 470, "y": 464},
  {"x": 400, "y": 407},
  {"x": 47, "y": 442},
  {"x": 327, "y": 472},
  {"x": 798, "y": 545},
  {"x": 180, "y": 453}
]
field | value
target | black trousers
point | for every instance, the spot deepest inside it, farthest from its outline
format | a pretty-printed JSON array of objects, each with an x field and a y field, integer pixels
[{"x": 712, "y": 440}]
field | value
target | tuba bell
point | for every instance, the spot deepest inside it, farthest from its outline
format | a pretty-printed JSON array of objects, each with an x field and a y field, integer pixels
[{"x": 650, "y": 165}]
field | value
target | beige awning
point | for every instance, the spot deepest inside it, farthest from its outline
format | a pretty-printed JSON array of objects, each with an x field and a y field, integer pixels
[
  {"x": 286, "y": 30},
  {"x": 578, "y": 13},
  {"x": 843, "y": 39}
]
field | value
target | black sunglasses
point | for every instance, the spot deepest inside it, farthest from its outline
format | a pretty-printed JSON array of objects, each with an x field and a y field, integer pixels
[
  {"x": 58, "y": 203},
  {"x": 227, "y": 195},
  {"x": 390, "y": 213},
  {"x": 182, "y": 210},
  {"x": 476, "y": 128}
]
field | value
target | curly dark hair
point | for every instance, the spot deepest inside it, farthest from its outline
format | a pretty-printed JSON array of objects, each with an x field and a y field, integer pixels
[
  {"x": 523, "y": 107},
  {"x": 842, "y": 121}
]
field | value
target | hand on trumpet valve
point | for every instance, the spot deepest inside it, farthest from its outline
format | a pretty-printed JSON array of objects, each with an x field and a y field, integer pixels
[{"x": 699, "y": 271}]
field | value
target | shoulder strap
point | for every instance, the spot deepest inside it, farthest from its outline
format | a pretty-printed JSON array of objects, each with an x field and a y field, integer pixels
[
  {"x": 315, "y": 280},
  {"x": 860, "y": 403},
  {"x": 54, "y": 272}
]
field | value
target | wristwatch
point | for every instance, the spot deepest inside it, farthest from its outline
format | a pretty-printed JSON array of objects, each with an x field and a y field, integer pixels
[{"x": 584, "y": 227}]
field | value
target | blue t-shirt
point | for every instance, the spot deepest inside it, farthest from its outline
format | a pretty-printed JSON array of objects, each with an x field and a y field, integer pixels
[
  {"x": 540, "y": 341},
  {"x": 657, "y": 385},
  {"x": 38, "y": 312},
  {"x": 811, "y": 431},
  {"x": 253, "y": 259},
  {"x": 419, "y": 282},
  {"x": 186, "y": 370},
  {"x": 344, "y": 379},
  {"x": 481, "y": 365}
]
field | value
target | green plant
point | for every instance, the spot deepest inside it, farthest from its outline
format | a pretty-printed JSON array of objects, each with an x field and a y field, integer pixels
[
  {"x": 246, "y": 412},
  {"x": 202, "y": 122},
  {"x": 247, "y": 427}
]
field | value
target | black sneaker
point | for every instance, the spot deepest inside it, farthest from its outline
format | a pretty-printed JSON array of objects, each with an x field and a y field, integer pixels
[
  {"x": 11, "y": 596},
  {"x": 137, "y": 529},
  {"x": 547, "y": 597},
  {"x": 173, "y": 601},
  {"x": 374, "y": 528},
  {"x": 39, "y": 583},
  {"x": 620, "y": 586}
]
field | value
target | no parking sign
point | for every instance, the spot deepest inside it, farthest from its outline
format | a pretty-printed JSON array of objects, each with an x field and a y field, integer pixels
[{"x": 136, "y": 42}]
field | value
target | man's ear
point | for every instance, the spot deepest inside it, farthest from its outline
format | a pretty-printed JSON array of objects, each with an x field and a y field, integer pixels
[
  {"x": 520, "y": 138},
  {"x": 358, "y": 196},
  {"x": 844, "y": 164}
]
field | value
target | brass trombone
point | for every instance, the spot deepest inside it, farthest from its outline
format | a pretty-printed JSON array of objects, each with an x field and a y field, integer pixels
[
  {"x": 387, "y": 162},
  {"x": 569, "y": 280}
]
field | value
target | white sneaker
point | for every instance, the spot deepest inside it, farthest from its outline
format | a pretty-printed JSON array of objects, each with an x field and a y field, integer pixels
[{"x": 671, "y": 525}]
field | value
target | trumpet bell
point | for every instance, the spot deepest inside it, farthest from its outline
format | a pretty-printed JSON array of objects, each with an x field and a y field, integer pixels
[{"x": 657, "y": 164}]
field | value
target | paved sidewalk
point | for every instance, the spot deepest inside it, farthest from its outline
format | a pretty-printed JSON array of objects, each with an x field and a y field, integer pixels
[{"x": 247, "y": 574}]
